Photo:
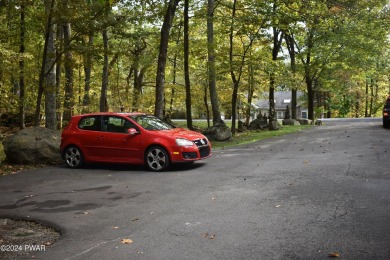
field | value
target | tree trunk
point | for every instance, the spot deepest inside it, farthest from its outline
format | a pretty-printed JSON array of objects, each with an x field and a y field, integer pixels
[
  {"x": 103, "y": 92},
  {"x": 277, "y": 43},
  {"x": 162, "y": 58},
  {"x": 309, "y": 78},
  {"x": 21, "y": 65},
  {"x": 250, "y": 94},
  {"x": 49, "y": 83},
  {"x": 87, "y": 72},
  {"x": 60, "y": 49},
  {"x": 236, "y": 81},
  {"x": 291, "y": 50},
  {"x": 49, "y": 6},
  {"x": 310, "y": 95},
  {"x": 206, "y": 106},
  {"x": 186, "y": 66},
  {"x": 138, "y": 82},
  {"x": 366, "y": 108},
  {"x": 68, "y": 66},
  {"x": 211, "y": 65}
]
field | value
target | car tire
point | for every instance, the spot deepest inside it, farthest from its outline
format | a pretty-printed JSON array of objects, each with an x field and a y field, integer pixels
[
  {"x": 386, "y": 124},
  {"x": 156, "y": 159},
  {"x": 73, "y": 157}
]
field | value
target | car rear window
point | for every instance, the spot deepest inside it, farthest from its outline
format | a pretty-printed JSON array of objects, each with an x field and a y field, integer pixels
[{"x": 91, "y": 123}]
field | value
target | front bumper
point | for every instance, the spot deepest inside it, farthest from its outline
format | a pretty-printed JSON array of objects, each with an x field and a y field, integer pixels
[{"x": 191, "y": 153}]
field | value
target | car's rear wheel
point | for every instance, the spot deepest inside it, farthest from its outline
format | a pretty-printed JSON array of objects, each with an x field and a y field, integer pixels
[
  {"x": 73, "y": 157},
  {"x": 157, "y": 159}
]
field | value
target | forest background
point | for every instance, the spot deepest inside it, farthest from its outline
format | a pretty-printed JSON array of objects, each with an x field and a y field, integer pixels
[{"x": 191, "y": 59}]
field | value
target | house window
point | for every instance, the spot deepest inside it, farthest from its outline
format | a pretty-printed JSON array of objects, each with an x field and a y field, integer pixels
[
  {"x": 304, "y": 114},
  {"x": 280, "y": 114}
]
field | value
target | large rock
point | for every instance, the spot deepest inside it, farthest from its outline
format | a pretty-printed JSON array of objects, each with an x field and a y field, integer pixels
[
  {"x": 304, "y": 121},
  {"x": 290, "y": 122},
  {"x": 274, "y": 125},
  {"x": 34, "y": 145},
  {"x": 259, "y": 123},
  {"x": 218, "y": 132}
]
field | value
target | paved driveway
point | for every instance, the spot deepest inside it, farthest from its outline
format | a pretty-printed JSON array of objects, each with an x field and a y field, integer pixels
[{"x": 302, "y": 196}]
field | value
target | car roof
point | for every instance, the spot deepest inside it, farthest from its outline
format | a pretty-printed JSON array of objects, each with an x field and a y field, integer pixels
[{"x": 110, "y": 114}]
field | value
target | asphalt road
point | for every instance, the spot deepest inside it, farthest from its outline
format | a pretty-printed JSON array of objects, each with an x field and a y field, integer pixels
[{"x": 320, "y": 191}]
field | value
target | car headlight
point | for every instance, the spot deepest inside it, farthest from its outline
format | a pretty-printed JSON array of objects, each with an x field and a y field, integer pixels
[{"x": 183, "y": 142}]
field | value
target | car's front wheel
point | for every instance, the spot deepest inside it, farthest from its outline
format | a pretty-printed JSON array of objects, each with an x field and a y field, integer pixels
[
  {"x": 157, "y": 159},
  {"x": 73, "y": 157}
]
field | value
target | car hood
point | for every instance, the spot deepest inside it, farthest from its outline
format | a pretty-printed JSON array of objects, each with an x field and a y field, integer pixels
[{"x": 182, "y": 133}]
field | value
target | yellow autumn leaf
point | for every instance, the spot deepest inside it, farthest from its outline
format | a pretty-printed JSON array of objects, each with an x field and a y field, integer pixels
[
  {"x": 334, "y": 254},
  {"x": 126, "y": 241}
]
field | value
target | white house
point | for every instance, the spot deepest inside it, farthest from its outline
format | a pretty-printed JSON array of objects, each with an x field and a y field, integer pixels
[{"x": 283, "y": 99}]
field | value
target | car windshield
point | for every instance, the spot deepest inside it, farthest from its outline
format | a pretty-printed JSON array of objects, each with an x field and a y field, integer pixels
[{"x": 151, "y": 122}]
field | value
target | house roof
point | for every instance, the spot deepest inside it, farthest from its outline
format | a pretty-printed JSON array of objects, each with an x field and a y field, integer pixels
[{"x": 282, "y": 99}]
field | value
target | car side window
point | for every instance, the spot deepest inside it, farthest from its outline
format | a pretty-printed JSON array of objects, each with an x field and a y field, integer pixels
[
  {"x": 91, "y": 123},
  {"x": 116, "y": 124}
]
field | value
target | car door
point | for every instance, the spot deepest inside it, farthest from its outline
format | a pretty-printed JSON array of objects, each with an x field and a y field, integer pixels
[
  {"x": 119, "y": 145},
  {"x": 89, "y": 136}
]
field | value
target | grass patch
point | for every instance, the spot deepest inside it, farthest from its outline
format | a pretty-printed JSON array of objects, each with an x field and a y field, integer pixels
[
  {"x": 246, "y": 137},
  {"x": 257, "y": 135}
]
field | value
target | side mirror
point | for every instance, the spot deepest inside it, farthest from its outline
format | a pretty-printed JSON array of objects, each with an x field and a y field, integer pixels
[{"x": 132, "y": 131}]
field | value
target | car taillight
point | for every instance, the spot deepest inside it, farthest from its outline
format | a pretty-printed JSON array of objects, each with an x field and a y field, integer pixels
[{"x": 385, "y": 113}]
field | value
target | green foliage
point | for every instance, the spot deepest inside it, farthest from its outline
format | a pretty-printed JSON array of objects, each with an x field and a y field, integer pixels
[{"x": 348, "y": 51}]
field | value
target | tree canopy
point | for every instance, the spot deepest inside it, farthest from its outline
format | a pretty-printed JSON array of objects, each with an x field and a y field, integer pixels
[{"x": 62, "y": 57}]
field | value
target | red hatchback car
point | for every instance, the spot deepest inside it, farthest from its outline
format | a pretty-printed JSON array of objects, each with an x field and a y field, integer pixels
[{"x": 133, "y": 138}]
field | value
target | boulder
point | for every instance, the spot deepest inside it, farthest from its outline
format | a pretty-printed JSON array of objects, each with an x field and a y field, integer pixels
[
  {"x": 218, "y": 132},
  {"x": 304, "y": 121},
  {"x": 290, "y": 122},
  {"x": 259, "y": 123},
  {"x": 34, "y": 145},
  {"x": 274, "y": 125}
]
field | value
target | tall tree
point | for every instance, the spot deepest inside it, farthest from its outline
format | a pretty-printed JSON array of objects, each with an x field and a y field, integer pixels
[
  {"x": 162, "y": 57},
  {"x": 68, "y": 66},
  {"x": 103, "y": 91},
  {"x": 21, "y": 64},
  {"x": 48, "y": 73},
  {"x": 236, "y": 68},
  {"x": 186, "y": 65},
  {"x": 217, "y": 120},
  {"x": 88, "y": 69},
  {"x": 277, "y": 38},
  {"x": 290, "y": 42},
  {"x": 47, "y": 51}
]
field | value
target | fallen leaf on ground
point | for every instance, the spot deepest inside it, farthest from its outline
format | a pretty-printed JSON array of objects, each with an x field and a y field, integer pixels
[
  {"x": 334, "y": 254},
  {"x": 115, "y": 227},
  {"x": 205, "y": 235},
  {"x": 135, "y": 219},
  {"x": 278, "y": 206},
  {"x": 126, "y": 241},
  {"x": 212, "y": 236}
]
